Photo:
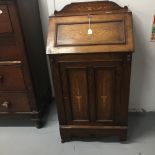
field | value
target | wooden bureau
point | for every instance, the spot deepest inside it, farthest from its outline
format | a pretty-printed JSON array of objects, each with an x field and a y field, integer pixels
[
  {"x": 90, "y": 47},
  {"x": 24, "y": 80}
]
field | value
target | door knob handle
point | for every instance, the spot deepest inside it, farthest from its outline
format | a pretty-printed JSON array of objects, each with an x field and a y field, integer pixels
[
  {"x": 5, "y": 104},
  {"x": 1, "y": 12}
]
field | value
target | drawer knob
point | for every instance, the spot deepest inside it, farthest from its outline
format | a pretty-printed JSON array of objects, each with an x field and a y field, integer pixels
[
  {"x": 1, "y": 12},
  {"x": 5, "y": 104}
]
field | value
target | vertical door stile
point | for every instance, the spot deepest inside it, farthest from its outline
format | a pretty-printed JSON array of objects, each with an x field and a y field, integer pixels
[
  {"x": 118, "y": 103},
  {"x": 92, "y": 94},
  {"x": 66, "y": 96}
]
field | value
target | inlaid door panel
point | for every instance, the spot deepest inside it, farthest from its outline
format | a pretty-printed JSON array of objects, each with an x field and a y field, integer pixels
[
  {"x": 105, "y": 89},
  {"x": 77, "y": 79},
  {"x": 107, "y": 81},
  {"x": 75, "y": 90}
]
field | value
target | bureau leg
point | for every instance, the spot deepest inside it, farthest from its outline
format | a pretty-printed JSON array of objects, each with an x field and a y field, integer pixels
[
  {"x": 63, "y": 141},
  {"x": 123, "y": 136},
  {"x": 65, "y": 138},
  {"x": 39, "y": 124}
]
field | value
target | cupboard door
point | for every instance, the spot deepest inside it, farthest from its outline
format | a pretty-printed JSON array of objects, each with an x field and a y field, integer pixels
[
  {"x": 107, "y": 81},
  {"x": 92, "y": 92},
  {"x": 105, "y": 93},
  {"x": 75, "y": 92}
]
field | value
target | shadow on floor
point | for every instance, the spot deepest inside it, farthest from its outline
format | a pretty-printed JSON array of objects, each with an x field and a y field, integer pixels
[{"x": 25, "y": 121}]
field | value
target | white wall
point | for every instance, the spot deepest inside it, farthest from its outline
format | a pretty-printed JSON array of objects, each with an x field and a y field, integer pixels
[
  {"x": 142, "y": 94},
  {"x": 44, "y": 15}
]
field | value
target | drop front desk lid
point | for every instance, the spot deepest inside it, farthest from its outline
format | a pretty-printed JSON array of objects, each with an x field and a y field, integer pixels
[{"x": 92, "y": 27}]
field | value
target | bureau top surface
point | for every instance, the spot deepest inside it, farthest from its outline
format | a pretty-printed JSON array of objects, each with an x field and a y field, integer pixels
[{"x": 91, "y": 27}]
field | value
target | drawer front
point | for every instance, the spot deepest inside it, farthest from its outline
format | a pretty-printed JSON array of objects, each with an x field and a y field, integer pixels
[
  {"x": 14, "y": 102},
  {"x": 5, "y": 23},
  {"x": 11, "y": 78},
  {"x": 9, "y": 50}
]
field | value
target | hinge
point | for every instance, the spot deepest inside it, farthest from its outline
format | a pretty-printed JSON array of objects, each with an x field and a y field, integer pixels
[
  {"x": 52, "y": 60},
  {"x": 128, "y": 57}
]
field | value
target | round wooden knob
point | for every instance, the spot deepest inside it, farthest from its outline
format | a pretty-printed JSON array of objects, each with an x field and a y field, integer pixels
[
  {"x": 1, "y": 12},
  {"x": 5, "y": 104}
]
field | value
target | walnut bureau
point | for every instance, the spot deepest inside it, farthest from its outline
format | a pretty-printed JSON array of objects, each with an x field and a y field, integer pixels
[
  {"x": 24, "y": 79},
  {"x": 90, "y": 47}
]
